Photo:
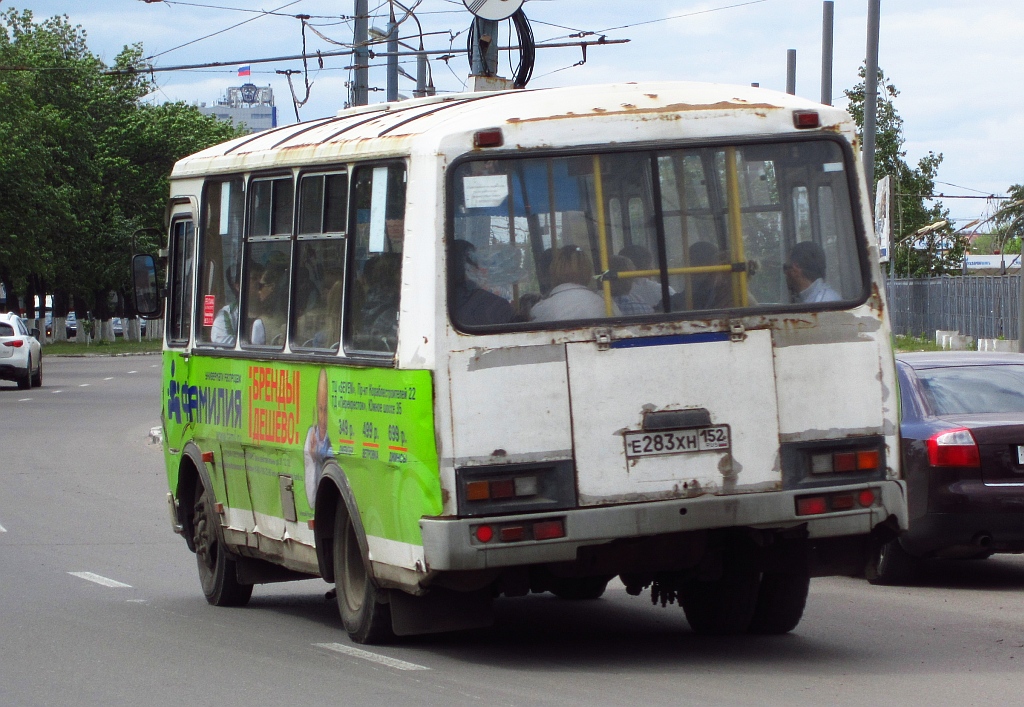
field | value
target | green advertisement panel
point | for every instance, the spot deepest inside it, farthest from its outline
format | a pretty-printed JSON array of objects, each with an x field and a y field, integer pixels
[{"x": 274, "y": 426}]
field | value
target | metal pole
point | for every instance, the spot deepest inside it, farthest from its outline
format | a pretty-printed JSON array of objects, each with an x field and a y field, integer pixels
[
  {"x": 871, "y": 97},
  {"x": 485, "y": 48},
  {"x": 421, "y": 75},
  {"x": 392, "y": 57},
  {"x": 791, "y": 72},
  {"x": 827, "y": 32},
  {"x": 360, "y": 36}
]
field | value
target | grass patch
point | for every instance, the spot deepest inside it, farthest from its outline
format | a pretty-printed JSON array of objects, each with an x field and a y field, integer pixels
[
  {"x": 904, "y": 344},
  {"x": 101, "y": 348}
]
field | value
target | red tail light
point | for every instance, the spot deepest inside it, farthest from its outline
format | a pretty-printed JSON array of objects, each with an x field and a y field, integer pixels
[
  {"x": 17, "y": 343},
  {"x": 953, "y": 448}
]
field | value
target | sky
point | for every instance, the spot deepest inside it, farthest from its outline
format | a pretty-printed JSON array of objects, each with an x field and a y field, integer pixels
[{"x": 958, "y": 64}]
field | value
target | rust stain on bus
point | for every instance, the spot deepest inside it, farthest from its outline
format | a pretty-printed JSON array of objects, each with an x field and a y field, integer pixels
[{"x": 630, "y": 109}]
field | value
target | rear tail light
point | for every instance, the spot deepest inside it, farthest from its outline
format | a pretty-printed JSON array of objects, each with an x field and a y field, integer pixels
[
  {"x": 498, "y": 489},
  {"x": 17, "y": 343},
  {"x": 953, "y": 448},
  {"x": 547, "y": 529},
  {"x": 845, "y": 462},
  {"x": 835, "y": 502}
]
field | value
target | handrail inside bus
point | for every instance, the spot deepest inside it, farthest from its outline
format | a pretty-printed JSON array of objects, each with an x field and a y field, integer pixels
[
  {"x": 602, "y": 235},
  {"x": 739, "y": 280}
]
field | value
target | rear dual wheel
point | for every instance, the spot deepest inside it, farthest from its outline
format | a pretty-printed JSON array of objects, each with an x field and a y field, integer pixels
[
  {"x": 746, "y": 600},
  {"x": 362, "y": 605},
  {"x": 217, "y": 571}
]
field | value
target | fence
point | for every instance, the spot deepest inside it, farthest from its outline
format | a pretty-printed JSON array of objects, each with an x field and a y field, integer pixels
[{"x": 983, "y": 307}]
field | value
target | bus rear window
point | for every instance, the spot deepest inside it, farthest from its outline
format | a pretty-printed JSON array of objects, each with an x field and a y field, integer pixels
[{"x": 652, "y": 234}]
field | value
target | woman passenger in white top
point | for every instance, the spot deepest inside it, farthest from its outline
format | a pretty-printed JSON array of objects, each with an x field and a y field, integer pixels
[{"x": 571, "y": 296}]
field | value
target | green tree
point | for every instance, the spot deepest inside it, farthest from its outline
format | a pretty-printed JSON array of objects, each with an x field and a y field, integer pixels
[
  {"x": 941, "y": 250},
  {"x": 84, "y": 162}
]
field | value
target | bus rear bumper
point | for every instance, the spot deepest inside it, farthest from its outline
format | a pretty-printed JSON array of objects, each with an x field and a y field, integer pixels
[{"x": 452, "y": 544}]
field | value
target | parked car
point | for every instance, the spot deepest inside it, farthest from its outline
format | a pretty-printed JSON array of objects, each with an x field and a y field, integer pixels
[
  {"x": 70, "y": 325},
  {"x": 118, "y": 326},
  {"x": 962, "y": 431},
  {"x": 21, "y": 355}
]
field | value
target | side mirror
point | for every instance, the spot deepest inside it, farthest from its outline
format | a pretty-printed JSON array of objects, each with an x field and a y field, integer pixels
[
  {"x": 147, "y": 299},
  {"x": 35, "y": 333}
]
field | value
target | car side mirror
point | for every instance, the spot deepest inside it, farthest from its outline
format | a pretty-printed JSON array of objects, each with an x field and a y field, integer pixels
[
  {"x": 35, "y": 333},
  {"x": 147, "y": 298}
]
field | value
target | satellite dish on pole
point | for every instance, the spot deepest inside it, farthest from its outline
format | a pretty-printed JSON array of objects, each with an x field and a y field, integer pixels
[{"x": 493, "y": 10}]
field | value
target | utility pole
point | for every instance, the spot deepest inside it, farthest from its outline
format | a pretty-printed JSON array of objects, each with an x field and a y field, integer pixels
[
  {"x": 485, "y": 47},
  {"x": 827, "y": 31},
  {"x": 791, "y": 72},
  {"x": 392, "y": 57},
  {"x": 871, "y": 97},
  {"x": 360, "y": 36},
  {"x": 421, "y": 75}
]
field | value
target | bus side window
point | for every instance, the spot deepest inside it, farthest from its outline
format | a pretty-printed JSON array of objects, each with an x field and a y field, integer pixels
[
  {"x": 268, "y": 262},
  {"x": 183, "y": 238},
  {"x": 319, "y": 262},
  {"x": 378, "y": 228},
  {"x": 221, "y": 256}
]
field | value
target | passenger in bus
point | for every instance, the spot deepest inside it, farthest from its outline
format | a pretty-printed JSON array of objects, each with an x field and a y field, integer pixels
[
  {"x": 328, "y": 336},
  {"x": 317, "y": 449},
  {"x": 644, "y": 287},
  {"x": 624, "y": 289},
  {"x": 805, "y": 274},
  {"x": 268, "y": 307},
  {"x": 710, "y": 290},
  {"x": 225, "y": 324},
  {"x": 472, "y": 305},
  {"x": 571, "y": 296}
]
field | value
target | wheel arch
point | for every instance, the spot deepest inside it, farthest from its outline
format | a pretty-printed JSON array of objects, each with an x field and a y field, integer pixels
[
  {"x": 334, "y": 495},
  {"x": 191, "y": 469}
]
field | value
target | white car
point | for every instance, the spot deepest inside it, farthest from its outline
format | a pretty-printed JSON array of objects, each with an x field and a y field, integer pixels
[{"x": 21, "y": 356}]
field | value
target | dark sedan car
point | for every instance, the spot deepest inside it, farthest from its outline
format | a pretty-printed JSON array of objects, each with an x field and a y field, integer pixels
[{"x": 962, "y": 429}]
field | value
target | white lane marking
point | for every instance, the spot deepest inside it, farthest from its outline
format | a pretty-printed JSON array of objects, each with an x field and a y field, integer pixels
[
  {"x": 56, "y": 391},
  {"x": 84, "y": 385},
  {"x": 3, "y": 529},
  {"x": 154, "y": 365},
  {"x": 23, "y": 400},
  {"x": 373, "y": 657},
  {"x": 132, "y": 372},
  {"x": 98, "y": 579},
  {"x": 110, "y": 378},
  {"x": 137, "y": 601}
]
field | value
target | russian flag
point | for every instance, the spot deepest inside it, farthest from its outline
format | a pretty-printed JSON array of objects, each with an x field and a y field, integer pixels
[{"x": 243, "y": 70}]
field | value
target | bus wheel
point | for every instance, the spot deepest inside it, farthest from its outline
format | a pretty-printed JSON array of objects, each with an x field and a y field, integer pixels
[
  {"x": 216, "y": 570},
  {"x": 780, "y": 601},
  {"x": 361, "y": 603},
  {"x": 725, "y": 606},
  {"x": 580, "y": 588}
]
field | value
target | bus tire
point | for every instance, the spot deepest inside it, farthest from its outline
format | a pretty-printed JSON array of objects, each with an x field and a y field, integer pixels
[
  {"x": 781, "y": 598},
  {"x": 724, "y": 606},
  {"x": 217, "y": 573},
  {"x": 361, "y": 604},
  {"x": 580, "y": 588},
  {"x": 891, "y": 564}
]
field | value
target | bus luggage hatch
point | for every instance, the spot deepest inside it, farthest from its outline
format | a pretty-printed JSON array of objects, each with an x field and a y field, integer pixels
[{"x": 629, "y": 446}]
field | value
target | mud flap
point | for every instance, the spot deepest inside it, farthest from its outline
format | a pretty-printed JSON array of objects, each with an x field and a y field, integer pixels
[{"x": 439, "y": 611}]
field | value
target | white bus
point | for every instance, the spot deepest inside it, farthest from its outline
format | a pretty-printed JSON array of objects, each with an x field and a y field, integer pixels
[{"x": 469, "y": 346}]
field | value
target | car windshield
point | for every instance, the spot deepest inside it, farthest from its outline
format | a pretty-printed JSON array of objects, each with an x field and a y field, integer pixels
[
  {"x": 677, "y": 232},
  {"x": 955, "y": 390}
]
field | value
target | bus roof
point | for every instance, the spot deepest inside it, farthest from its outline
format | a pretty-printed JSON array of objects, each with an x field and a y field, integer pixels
[{"x": 533, "y": 118}]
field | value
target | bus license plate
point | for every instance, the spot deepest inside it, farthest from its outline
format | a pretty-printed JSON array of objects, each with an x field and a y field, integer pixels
[{"x": 701, "y": 439}]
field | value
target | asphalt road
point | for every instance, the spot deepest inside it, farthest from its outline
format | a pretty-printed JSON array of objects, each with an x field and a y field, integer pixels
[{"x": 82, "y": 491}]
